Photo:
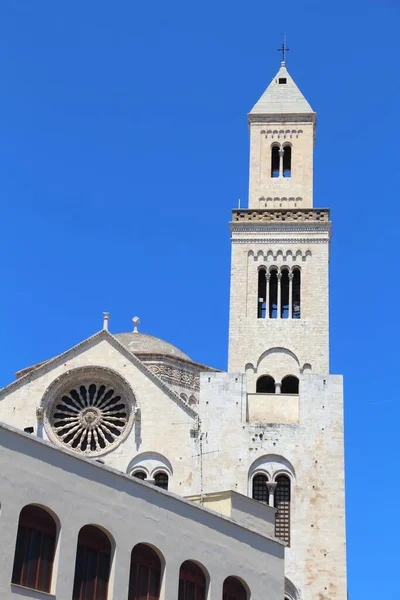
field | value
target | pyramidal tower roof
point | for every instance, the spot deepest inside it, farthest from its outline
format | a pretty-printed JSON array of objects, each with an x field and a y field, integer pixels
[{"x": 282, "y": 97}]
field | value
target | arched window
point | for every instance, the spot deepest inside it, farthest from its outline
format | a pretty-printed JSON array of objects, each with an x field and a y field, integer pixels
[
  {"x": 260, "y": 489},
  {"x": 140, "y": 475},
  {"x": 282, "y": 504},
  {"x": 285, "y": 294},
  {"x": 145, "y": 574},
  {"x": 273, "y": 295},
  {"x": 287, "y": 161},
  {"x": 161, "y": 480},
  {"x": 290, "y": 385},
  {"x": 262, "y": 294},
  {"x": 192, "y": 582},
  {"x": 92, "y": 566},
  {"x": 296, "y": 294},
  {"x": 265, "y": 385},
  {"x": 34, "y": 550},
  {"x": 275, "y": 159},
  {"x": 233, "y": 589}
]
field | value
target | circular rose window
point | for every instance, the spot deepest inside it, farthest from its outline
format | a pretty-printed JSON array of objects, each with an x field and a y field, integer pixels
[{"x": 89, "y": 411}]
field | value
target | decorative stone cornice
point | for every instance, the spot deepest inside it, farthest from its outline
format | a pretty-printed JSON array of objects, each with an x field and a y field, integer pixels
[{"x": 274, "y": 215}]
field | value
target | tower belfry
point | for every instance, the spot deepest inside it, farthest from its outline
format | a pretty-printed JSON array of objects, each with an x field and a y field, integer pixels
[{"x": 280, "y": 244}]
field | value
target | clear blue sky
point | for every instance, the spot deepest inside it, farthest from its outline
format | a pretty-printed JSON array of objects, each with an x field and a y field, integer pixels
[{"x": 123, "y": 148}]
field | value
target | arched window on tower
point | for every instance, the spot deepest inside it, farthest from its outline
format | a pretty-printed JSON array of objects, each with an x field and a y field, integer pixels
[
  {"x": 233, "y": 589},
  {"x": 285, "y": 294},
  {"x": 260, "y": 489},
  {"x": 34, "y": 550},
  {"x": 265, "y": 385},
  {"x": 273, "y": 295},
  {"x": 287, "y": 161},
  {"x": 145, "y": 574},
  {"x": 262, "y": 294},
  {"x": 140, "y": 475},
  {"x": 296, "y": 294},
  {"x": 290, "y": 385},
  {"x": 192, "y": 582},
  {"x": 275, "y": 160},
  {"x": 282, "y": 504},
  {"x": 92, "y": 566},
  {"x": 161, "y": 480}
]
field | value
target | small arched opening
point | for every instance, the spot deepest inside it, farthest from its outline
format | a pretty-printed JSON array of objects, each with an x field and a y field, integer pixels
[
  {"x": 273, "y": 294},
  {"x": 192, "y": 582},
  {"x": 35, "y": 549},
  {"x": 260, "y": 488},
  {"x": 145, "y": 574},
  {"x": 296, "y": 297},
  {"x": 233, "y": 589},
  {"x": 285, "y": 294},
  {"x": 265, "y": 385},
  {"x": 275, "y": 160},
  {"x": 140, "y": 475},
  {"x": 92, "y": 566},
  {"x": 161, "y": 480},
  {"x": 262, "y": 294},
  {"x": 287, "y": 161},
  {"x": 290, "y": 385}
]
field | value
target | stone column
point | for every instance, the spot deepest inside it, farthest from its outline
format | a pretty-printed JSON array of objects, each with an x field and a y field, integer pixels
[
  {"x": 267, "y": 277},
  {"x": 281, "y": 153},
  {"x": 290, "y": 294},
  {"x": 279, "y": 277},
  {"x": 278, "y": 385},
  {"x": 271, "y": 492},
  {"x": 39, "y": 421}
]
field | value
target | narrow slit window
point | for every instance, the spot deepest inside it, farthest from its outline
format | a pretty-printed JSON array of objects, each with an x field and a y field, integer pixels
[
  {"x": 275, "y": 161},
  {"x": 287, "y": 161},
  {"x": 285, "y": 294},
  {"x": 273, "y": 295},
  {"x": 262, "y": 291}
]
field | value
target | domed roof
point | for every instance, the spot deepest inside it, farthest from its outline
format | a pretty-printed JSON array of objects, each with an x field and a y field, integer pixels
[{"x": 141, "y": 343}]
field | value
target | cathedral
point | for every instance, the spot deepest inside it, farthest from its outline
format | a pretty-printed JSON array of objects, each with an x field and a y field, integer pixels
[{"x": 266, "y": 435}]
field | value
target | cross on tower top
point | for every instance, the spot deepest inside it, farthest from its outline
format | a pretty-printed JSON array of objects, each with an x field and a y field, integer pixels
[{"x": 284, "y": 49}]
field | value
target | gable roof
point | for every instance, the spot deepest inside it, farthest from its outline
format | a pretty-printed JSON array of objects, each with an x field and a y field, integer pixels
[
  {"x": 100, "y": 335},
  {"x": 282, "y": 97}
]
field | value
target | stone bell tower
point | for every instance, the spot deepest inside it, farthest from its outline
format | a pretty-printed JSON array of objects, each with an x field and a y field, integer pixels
[
  {"x": 280, "y": 244},
  {"x": 292, "y": 407}
]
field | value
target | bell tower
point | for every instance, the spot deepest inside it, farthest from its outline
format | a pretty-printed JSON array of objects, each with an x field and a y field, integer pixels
[
  {"x": 280, "y": 244},
  {"x": 291, "y": 406}
]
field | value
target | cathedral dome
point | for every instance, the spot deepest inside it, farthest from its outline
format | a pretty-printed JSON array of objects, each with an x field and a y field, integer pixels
[{"x": 141, "y": 343}]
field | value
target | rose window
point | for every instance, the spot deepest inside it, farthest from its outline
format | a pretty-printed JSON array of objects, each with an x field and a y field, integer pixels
[{"x": 89, "y": 417}]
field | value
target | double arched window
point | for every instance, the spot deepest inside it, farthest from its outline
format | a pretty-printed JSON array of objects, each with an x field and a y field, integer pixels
[
  {"x": 266, "y": 385},
  {"x": 279, "y": 293},
  {"x": 281, "y": 160},
  {"x": 161, "y": 478},
  {"x": 92, "y": 567},
  {"x": 35, "y": 548}
]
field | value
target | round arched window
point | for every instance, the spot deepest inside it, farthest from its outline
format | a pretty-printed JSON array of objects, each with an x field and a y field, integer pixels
[{"x": 89, "y": 410}]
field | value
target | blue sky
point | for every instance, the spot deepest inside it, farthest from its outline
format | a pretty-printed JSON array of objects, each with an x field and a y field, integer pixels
[{"x": 123, "y": 148}]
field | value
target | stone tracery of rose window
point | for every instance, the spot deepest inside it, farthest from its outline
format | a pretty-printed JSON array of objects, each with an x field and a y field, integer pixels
[{"x": 89, "y": 415}]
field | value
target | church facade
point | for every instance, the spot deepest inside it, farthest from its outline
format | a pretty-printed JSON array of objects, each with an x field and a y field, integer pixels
[{"x": 271, "y": 427}]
